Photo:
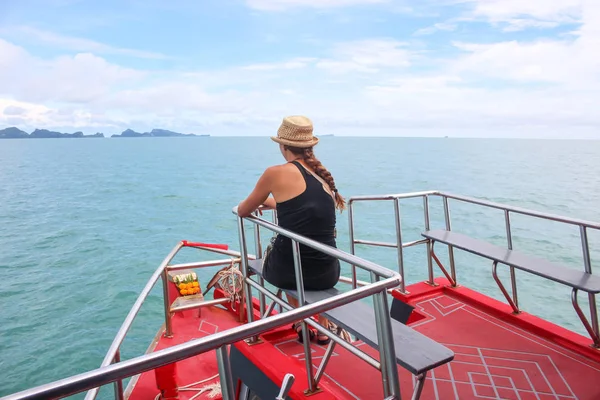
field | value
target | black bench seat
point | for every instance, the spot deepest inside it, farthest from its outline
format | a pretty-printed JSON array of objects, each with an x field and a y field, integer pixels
[
  {"x": 415, "y": 352},
  {"x": 576, "y": 279}
]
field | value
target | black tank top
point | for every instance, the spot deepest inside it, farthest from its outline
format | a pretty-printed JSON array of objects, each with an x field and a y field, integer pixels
[{"x": 310, "y": 214}]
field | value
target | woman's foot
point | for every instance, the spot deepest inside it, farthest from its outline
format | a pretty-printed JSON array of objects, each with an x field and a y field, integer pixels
[
  {"x": 297, "y": 326},
  {"x": 323, "y": 339}
]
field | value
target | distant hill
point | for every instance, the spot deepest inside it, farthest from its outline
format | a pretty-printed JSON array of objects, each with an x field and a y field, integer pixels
[
  {"x": 153, "y": 133},
  {"x": 15, "y": 133}
]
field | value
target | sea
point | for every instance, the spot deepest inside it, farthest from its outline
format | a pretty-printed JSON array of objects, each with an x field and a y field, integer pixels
[{"x": 84, "y": 224}]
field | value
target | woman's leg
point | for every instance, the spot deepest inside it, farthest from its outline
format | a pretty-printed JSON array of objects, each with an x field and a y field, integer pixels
[{"x": 322, "y": 320}]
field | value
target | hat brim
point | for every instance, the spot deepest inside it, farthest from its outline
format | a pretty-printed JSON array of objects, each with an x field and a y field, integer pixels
[{"x": 294, "y": 143}]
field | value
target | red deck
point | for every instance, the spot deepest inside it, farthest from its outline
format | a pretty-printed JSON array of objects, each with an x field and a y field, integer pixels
[{"x": 498, "y": 355}]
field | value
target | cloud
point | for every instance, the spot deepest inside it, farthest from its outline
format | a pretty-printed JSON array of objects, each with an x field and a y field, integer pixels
[
  {"x": 367, "y": 56},
  {"x": 518, "y": 15},
  {"x": 78, "y": 44},
  {"x": 14, "y": 110},
  {"x": 279, "y": 5},
  {"x": 519, "y": 24},
  {"x": 364, "y": 85},
  {"x": 546, "y": 10},
  {"x": 442, "y": 26},
  {"x": 573, "y": 64},
  {"x": 73, "y": 79},
  {"x": 291, "y": 64}
]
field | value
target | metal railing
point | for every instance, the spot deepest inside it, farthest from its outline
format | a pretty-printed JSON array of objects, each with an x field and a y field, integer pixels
[
  {"x": 124, "y": 369},
  {"x": 113, "y": 353},
  {"x": 508, "y": 210},
  {"x": 387, "y": 364},
  {"x": 113, "y": 370}
]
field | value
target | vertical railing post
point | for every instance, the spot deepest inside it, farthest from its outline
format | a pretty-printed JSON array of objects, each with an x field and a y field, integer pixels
[
  {"x": 399, "y": 241},
  {"x": 305, "y": 336},
  {"x": 259, "y": 254},
  {"x": 385, "y": 339},
  {"x": 244, "y": 266},
  {"x": 351, "y": 234},
  {"x": 513, "y": 277},
  {"x": 276, "y": 222},
  {"x": 428, "y": 248},
  {"x": 166, "y": 305},
  {"x": 450, "y": 248},
  {"x": 225, "y": 376},
  {"x": 118, "y": 383},
  {"x": 587, "y": 262}
]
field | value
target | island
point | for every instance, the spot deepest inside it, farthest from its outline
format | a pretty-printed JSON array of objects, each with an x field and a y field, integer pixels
[{"x": 16, "y": 133}]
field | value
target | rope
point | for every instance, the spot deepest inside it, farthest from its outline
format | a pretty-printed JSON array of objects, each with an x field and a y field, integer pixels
[
  {"x": 213, "y": 389},
  {"x": 229, "y": 280}
]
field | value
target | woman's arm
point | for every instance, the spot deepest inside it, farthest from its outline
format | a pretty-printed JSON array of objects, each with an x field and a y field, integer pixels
[
  {"x": 270, "y": 203},
  {"x": 259, "y": 195}
]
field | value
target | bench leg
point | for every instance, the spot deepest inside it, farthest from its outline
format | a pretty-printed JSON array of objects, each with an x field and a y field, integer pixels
[
  {"x": 325, "y": 359},
  {"x": 584, "y": 320},
  {"x": 272, "y": 305},
  {"x": 419, "y": 387},
  {"x": 385, "y": 338},
  {"x": 503, "y": 289},
  {"x": 439, "y": 263}
]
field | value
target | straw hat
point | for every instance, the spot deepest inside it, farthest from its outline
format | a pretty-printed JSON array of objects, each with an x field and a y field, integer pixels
[{"x": 296, "y": 131}]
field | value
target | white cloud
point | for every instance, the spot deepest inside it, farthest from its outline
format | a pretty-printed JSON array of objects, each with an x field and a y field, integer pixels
[
  {"x": 573, "y": 64},
  {"x": 14, "y": 110},
  {"x": 291, "y": 64},
  {"x": 278, "y": 5},
  {"x": 519, "y": 14},
  {"x": 79, "y": 79},
  {"x": 78, "y": 44},
  {"x": 545, "y": 10},
  {"x": 32, "y": 116},
  {"x": 367, "y": 56},
  {"x": 519, "y": 24},
  {"x": 543, "y": 85},
  {"x": 442, "y": 26},
  {"x": 364, "y": 85},
  {"x": 541, "y": 61}
]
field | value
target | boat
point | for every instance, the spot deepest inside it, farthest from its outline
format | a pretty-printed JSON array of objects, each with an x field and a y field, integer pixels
[{"x": 231, "y": 337}]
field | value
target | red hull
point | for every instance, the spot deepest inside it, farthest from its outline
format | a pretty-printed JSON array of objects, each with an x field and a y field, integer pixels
[{"x": 498, "y": 355}]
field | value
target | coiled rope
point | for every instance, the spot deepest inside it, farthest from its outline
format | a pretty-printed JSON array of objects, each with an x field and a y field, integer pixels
[{"x": 229, "y": 280}]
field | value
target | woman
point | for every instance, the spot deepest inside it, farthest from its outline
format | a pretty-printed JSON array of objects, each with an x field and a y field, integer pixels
[{"x": 305, "y": 197}]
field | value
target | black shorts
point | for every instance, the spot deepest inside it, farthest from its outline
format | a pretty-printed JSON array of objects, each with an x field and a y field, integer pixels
[{"x": 315, "y": 275}]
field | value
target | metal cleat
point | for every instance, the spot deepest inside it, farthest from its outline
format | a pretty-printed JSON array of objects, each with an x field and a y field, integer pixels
[{"x": 288, "y": 381}]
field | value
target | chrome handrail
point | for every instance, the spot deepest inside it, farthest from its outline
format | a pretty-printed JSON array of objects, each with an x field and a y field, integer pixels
[
  {"x": 124, "y": 369},
  {"x": 113, "y": 353},
  {"x": 388, "y": 366},
  {"x": 582, "y": 224},
  {"x": 330, "y": 251},
  {"x": 120, "y": 336},
  {"x": 398, "y": 223}
]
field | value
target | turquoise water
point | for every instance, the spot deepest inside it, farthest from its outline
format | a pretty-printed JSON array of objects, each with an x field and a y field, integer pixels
[{"x": 86, "y": 222}]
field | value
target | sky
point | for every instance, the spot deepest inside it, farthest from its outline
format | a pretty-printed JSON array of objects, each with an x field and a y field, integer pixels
[{"x": 473, "y": 68}]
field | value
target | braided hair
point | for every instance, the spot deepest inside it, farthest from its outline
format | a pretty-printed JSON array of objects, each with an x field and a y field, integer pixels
[{"x": 308, "y": 156}]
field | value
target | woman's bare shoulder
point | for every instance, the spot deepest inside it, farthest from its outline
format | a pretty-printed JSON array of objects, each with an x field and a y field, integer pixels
[{"x": 281, "y": 168}]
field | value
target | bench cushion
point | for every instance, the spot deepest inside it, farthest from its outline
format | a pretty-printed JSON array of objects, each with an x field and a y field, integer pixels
[
  {"x": 414, "y": 351},
  {"x": 538, "y": 266}
]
